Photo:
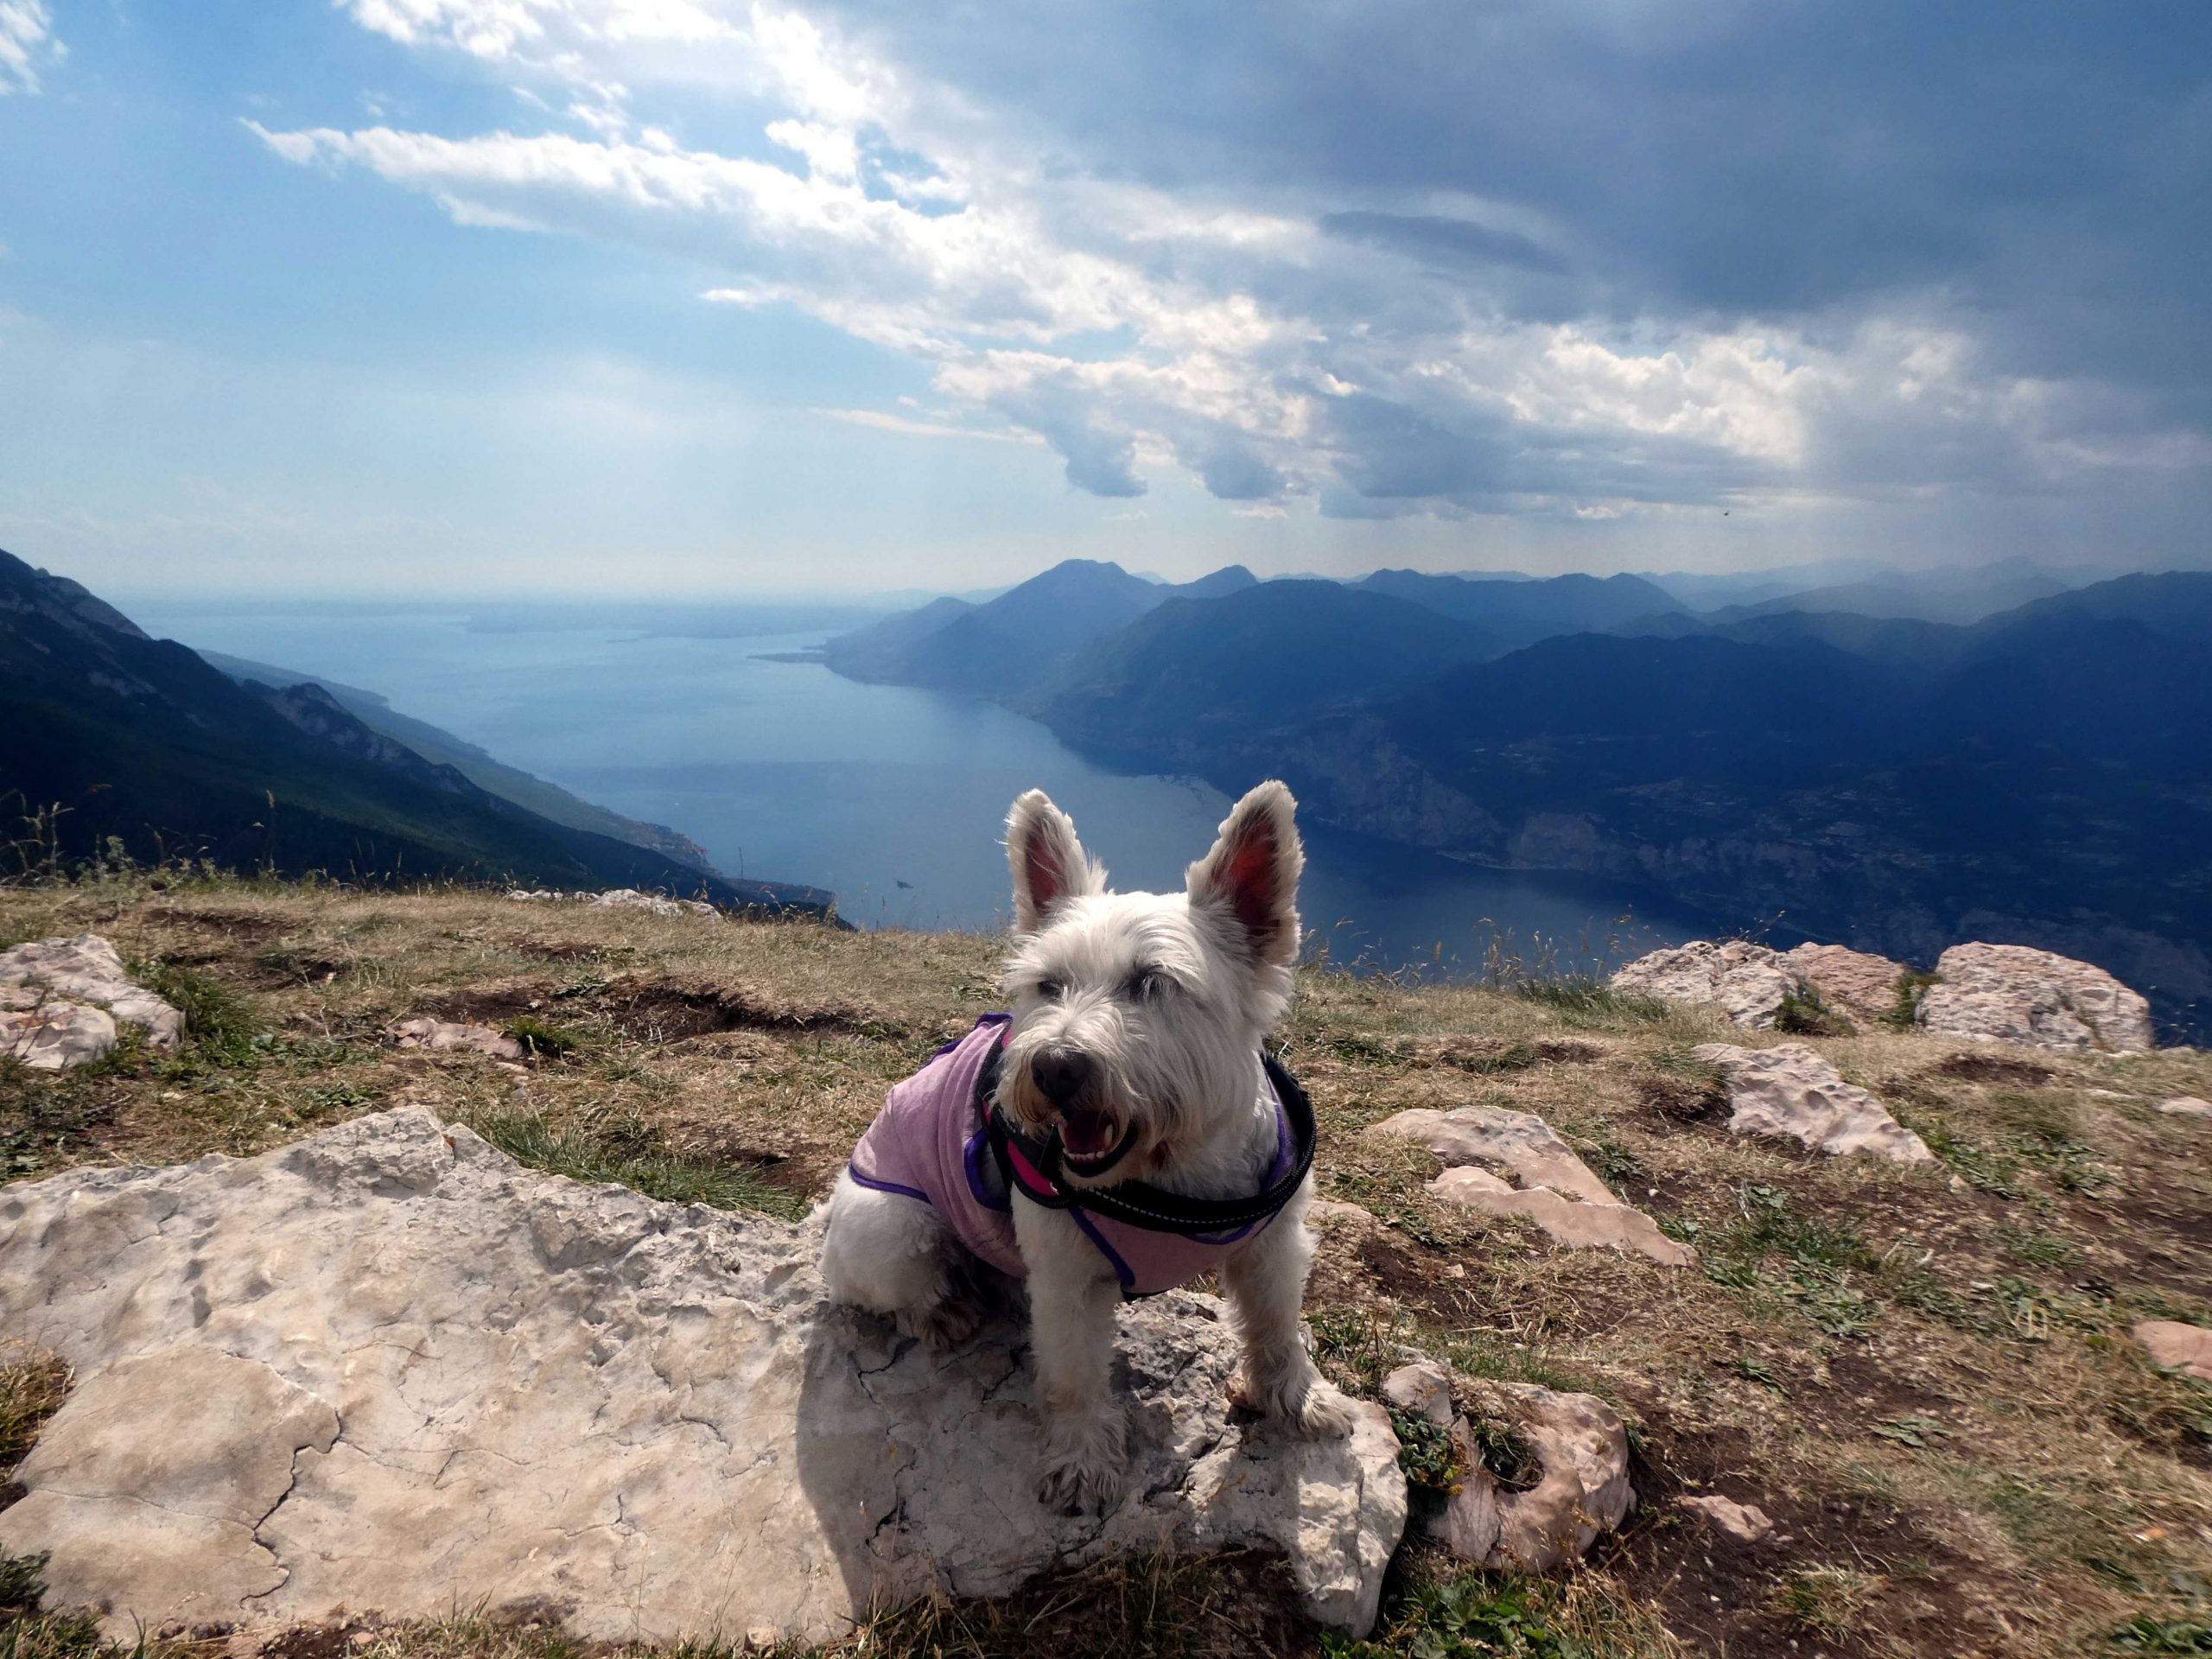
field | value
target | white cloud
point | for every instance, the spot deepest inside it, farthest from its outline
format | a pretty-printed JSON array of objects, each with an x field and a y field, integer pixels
[
  {"x": 881, "y": 421},
  {"x": 1135, "y": 329},
  {"x": 27, "y": 41}
]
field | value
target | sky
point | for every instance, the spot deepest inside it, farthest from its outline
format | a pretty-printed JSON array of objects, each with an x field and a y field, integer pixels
[{"x": 421, "y": 297}]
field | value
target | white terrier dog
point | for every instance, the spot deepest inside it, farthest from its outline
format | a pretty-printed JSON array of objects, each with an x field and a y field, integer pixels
[{"x": 1120, "y": 1133}]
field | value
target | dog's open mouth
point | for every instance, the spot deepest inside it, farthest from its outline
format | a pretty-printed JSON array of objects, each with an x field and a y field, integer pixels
[{"x": 1090, "y": 1141}]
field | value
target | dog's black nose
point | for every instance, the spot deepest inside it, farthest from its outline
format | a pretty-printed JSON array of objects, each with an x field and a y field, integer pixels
[{"x": 1059, "y": 1072}]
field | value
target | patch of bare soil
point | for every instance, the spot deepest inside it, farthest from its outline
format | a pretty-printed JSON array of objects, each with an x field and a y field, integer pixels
[
  {"x": 673, "y": 1013},
  {"x": 1675, "y": 1099},
  {"x": 494, "y": 1005},
  {"x": 236, "y": 927},
  {"x": 1993, "y": 1068},
  {"x": 1911, "y": 1591}
]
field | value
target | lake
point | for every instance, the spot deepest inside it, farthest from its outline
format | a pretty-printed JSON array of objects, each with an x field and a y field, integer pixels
[{"x": 891, "y": 797}]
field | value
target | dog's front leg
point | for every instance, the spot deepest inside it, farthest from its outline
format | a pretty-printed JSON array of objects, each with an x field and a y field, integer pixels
[
  {"x": 1266, "y": 1283},
  {"x": 1072, "y": 1296}
]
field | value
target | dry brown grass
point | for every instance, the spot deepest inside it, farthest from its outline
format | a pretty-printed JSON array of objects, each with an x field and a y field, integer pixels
[{"x": 1924, "y": 1375}]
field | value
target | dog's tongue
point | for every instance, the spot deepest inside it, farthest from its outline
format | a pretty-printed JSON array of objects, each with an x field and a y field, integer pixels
[{"x": 1086, "y": 1134}]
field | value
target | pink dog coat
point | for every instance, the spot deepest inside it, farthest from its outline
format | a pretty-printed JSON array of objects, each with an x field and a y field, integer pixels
[{"x": 940, "y": 1140}]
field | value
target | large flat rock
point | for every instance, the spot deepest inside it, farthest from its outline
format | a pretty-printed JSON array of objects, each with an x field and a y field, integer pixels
[
  {"x": 1789, "y": 1089},
  {"x": 390, "y": 1371}
]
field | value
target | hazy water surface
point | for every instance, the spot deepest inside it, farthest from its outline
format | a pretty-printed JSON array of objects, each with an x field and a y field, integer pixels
[{"x": 893, "y": 797}]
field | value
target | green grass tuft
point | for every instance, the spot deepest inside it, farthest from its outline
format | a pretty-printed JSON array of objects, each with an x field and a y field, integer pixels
[{"x": 626, "y": 1151}]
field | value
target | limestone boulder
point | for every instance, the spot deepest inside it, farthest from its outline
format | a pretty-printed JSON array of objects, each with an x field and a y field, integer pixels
[
  {"x": 1745, "y": 981},
  {"x": 390, "y": 1371},
  {"x": 1790, "y": 1090},
  {"x": 2013, "y": 994},
  {"x": 1862, "y": 987},
  {"x": 1582, "y": 1491},
  {"x": 2186, "y": 1106},
  {"x": 61, "y": 1001},
  {"x": 1550, "y": 1185},
  {"x": 439, "y": 1034},
  {"x": 2174, "y": 1346},
  {"x": 48, "y": 1033}
]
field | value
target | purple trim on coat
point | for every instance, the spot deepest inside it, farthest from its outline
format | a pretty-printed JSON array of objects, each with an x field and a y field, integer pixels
[{"x": 870, "y": 1182}]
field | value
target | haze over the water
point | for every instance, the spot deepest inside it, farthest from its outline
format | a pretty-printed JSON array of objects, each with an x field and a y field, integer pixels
[{"x": 521, "y": 297}]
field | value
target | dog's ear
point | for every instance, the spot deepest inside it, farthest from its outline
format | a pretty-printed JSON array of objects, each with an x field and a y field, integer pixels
[
  {"x": 1049, "y": 864},
  {"x": 1252, "y": 873}
]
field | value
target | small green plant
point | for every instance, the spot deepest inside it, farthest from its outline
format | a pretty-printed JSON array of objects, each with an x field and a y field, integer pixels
[
  {"x": 220, "y": 1029},
  {"x": 539, "y": 1039},
  {"x": 1432, "y": 1458},
  {"x": 1915, "y": 1432},
  {"x": 1504, "y": 1451},
  {"x": 1752, "y": 1369},
  {"x": 1904, "y": 1014},
  {"x": 2144, "y": 1634},
  {"x": 1477, "y": 1616},
  {"x": 2036, "y": 1248},
  {"x": 1831, "y": 1601},
  {"x": 27, "y": 1633},
  {"x": 1804, "y": 1012}
]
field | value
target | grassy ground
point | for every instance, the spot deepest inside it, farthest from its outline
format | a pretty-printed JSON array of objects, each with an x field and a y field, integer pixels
[{"x": 1923, "y": 1377}]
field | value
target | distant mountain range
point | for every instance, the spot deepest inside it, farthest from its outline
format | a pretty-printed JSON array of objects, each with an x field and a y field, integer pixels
[
  {"x": 146, "y": 742},
  {"x": 2042, "y": 775}
]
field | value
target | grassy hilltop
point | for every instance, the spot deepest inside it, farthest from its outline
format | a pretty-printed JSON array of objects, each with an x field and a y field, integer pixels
[{"x": 1923, "y": 1375}]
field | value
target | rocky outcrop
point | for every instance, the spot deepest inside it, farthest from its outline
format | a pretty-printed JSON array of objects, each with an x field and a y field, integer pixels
[
  {"x": 617, "y": 899},
  {"x": 1745, "y": 981},
  {"x": 2012, "y": 993},
  {"x": 61, "y": 1001},
  {"x": 1750, "y": 983},
  {"x": 2174, "y": 1346},
  {"x": 1856, "y": 984},
  {"x": 1581, "y": 1492},
  {"x": 389, "y": 1370},
  {"x": 1550, "y": 1186},
  {"x": 1790, "y": 1090},
  {"x": 2186, "y": 1106}
]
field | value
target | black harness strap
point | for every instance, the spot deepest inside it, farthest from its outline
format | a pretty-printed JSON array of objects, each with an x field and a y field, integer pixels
[{"x": 1140, "y": 1203}]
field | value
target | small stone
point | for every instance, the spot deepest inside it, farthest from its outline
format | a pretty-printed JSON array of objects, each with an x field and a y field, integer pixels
[
  {"x": 1746, "y": 1522},
  {"x": 1422, "y": 1388},
  {"x": 439, "y": 1034},
  {"x": 2186, "y": 1106},
  {"x": 2174, "y": 1346},
  {"x": 1790, "y": 1090}
]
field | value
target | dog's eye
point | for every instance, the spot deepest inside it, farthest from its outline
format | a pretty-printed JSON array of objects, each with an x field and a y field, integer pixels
[
  {"x": 1148, "y": 985},
  {"x": 1049, "y": 989}
]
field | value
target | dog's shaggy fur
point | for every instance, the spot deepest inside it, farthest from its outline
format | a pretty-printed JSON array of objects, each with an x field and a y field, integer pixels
[{"x": 1137, "y": 1020}]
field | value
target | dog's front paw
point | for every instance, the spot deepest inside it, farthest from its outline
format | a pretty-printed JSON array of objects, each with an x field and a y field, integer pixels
[
  {"x": 1324, "y": 1414},
  {"x": 942, "y": 1325},
  {"x": 1303, "y": 1403},
  {"x": 1084, "y": 1471},
  {"x": 1073, "y": 1486}
]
